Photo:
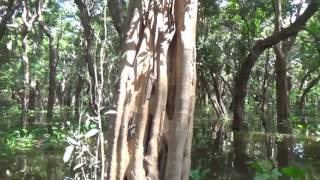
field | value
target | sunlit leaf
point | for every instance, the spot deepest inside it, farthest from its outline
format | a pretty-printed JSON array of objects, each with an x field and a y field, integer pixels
[
  {"x": 78, "y": 166},
  {"x": 72, "y": 141},
  {"x": 68, "y": 153},
  {"x": 91, "y": 133},
  {"x": 111, "y": 112}
]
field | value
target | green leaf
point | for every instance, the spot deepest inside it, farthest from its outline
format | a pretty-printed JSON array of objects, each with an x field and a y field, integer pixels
[{"x": 293, "y": 171}]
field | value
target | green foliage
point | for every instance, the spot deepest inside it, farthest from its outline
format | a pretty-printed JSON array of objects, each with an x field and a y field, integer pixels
[
  {"x": 20, "y": 140},
  {"x": 293, "y": 172},
  {"x": 266, "y": 170},
  {"x": 198, "y": 174}
]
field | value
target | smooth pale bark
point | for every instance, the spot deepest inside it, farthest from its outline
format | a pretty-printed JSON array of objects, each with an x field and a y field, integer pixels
[
  {"x": 151, "y": 136},
  {"x": 7, "y": 17},
  {"x": 89, "y": 47},
  {"x": 243, "y": 75}
]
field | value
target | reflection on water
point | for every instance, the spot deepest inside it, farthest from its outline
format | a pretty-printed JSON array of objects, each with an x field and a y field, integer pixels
[
  {"x": 227, "y": 157},
  {"x": 220, "y": 155},
  {"x": 36, "y": 165},
  {"x": 39, "y": 164}
]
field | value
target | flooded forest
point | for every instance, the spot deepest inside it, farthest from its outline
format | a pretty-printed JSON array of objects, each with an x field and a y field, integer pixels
[{"x": 159, "y": 89}]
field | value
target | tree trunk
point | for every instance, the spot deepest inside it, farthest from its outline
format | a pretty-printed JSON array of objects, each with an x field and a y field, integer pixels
[
  {"x": 52, "y": 81},
  {"x": 7, "y": 17},
  {"x": 77, "y": 102},
  {"x": 28, "y": 21},
  {"x": 25, "y": 79},
  {"x": 242, "y": 77},
  {"x": 151, "y": 135},
  {"x": 53, "y": 54},
  {"x": 281, "y": 51},
  {"x": 89, "y": 49}
]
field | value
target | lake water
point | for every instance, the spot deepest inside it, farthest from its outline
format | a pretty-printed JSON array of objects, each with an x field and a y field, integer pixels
[{"x": 226, "y": 156}]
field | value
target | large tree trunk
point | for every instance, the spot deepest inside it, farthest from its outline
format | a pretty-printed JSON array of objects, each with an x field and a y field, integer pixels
[
  {"x": 242, "y": 77},
  {"x": 151, "y": 135}
]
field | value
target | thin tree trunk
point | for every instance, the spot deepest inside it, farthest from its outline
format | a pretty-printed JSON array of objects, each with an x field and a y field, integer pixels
[
  {"x": 77, "y": 102},
  {"x": 89, "y": 49},
  {"x": 52, "y": 66},
  {"x": 242, "y": 77},
  {"x": 52, "y": 82},
  {"x": 27, "y": 26},
  {"x": 26, "y": 78}
]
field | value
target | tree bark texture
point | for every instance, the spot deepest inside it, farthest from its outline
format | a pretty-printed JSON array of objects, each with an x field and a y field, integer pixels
[
  {"x": 151, "y": 135},
  {"x": 243, "y": 75}
]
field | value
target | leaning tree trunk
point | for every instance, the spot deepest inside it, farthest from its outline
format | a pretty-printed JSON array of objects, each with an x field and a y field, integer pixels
[
  {"x": 304, "y": 94},
  {"x": 242, "y": 78},
  {"x": 151, "y": 136}
]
